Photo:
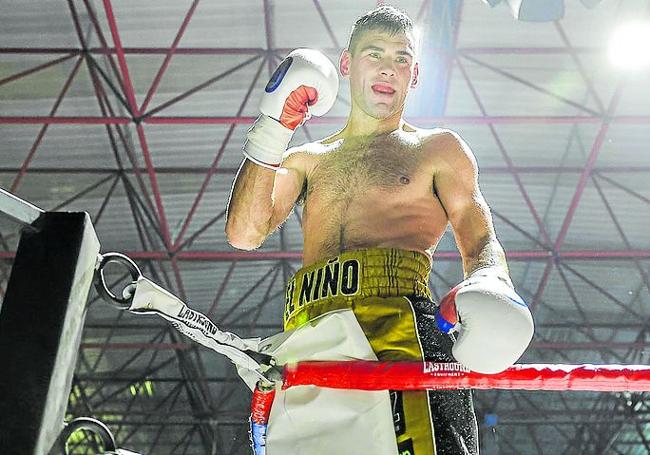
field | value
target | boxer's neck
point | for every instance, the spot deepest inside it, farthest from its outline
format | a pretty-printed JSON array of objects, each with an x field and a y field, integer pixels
[{"x": 361, "y": 124}]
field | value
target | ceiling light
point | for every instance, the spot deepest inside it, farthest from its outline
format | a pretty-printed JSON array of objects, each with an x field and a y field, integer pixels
[{"x": 629, "y": 46}]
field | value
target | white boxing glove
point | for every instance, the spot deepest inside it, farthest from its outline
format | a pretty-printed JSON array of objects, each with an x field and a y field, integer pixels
[
  {"x": 305, "y": 83},
  {"x": 493, "y": 321}
]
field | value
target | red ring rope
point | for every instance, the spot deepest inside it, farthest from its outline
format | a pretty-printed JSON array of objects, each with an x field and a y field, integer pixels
[{"x": 370, "y": 375}]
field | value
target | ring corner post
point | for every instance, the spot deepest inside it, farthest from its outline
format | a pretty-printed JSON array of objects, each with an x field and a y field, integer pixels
[{"x": 41, "y": 321}]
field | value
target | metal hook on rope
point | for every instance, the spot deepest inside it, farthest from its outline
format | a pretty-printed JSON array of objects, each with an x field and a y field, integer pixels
[
  {"x": 97, "y": 427},
  {"x": 88, "y": 423},
  {"x": 143, "y": 296},
  {"x": 121, "y": 302}
]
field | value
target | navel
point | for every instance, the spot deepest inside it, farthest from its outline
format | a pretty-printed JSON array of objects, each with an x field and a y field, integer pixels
[{"x": 404, "y": 180}]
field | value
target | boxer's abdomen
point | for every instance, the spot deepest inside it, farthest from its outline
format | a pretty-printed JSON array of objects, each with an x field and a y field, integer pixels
[
  {"x": 406, "y": 218},
  {"x": 365, "y": 193}
]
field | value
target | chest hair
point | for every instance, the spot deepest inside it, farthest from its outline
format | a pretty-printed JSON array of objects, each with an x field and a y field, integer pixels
[{"x": 355, "y": 166}]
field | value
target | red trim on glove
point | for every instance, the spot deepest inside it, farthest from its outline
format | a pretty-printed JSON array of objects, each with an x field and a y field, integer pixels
[
  {"x": 448, "y": 306},
  {"x": 297, "y": 105}
]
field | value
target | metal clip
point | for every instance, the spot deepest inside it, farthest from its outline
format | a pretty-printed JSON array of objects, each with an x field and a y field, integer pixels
[{"x": 123, "y": 302}]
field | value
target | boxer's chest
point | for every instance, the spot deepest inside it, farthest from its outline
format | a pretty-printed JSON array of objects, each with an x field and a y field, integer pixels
[{"x": 351, "y": 168}]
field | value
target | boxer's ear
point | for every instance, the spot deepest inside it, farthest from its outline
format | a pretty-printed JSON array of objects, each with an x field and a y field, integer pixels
[
  {"x": 415, "y": 77},
  {"x": 344, "y": 63}
]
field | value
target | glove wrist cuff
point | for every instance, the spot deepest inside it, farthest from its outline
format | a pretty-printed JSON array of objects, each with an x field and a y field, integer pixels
[
  {"x": 266, "y": 141},
  {"x": 492, "y": 271}
]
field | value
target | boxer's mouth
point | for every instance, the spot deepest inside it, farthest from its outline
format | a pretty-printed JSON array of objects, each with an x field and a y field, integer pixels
[{"x": 383, "y": 89}]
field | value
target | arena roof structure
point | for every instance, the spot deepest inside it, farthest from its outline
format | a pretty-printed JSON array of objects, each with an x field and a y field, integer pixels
[{"x": 136, "y": 113}]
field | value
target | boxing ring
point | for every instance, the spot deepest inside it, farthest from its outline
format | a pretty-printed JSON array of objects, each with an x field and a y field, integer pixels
[
  {"x": 43, "y": 231},
  {"x": 563, "y": 156}
]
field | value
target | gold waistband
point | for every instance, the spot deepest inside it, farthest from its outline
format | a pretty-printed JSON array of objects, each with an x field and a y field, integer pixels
[{"x": 334, "y": 283}]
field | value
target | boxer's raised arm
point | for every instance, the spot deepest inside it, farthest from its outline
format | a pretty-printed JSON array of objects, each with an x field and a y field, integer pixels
[
  {"x": 261, "y": 199},
  {"x": 305, "y": 83}
]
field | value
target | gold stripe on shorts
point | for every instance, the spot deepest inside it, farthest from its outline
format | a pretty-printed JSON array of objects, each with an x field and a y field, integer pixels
[{"x": 391, "y": 328}]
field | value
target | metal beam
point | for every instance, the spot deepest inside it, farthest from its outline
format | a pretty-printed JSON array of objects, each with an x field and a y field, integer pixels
[
  {"x": 513, "y": 255},
  {"x": 331, "y": 120}
]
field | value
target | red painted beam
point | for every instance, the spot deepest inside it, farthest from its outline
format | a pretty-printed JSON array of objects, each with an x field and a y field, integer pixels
[
  {"x": 63, "y": 120},
  {"x": 37, "y": 68},
  {"x": 258, "y": 50},
  {"x": 168, "y": 57},
  {"x": 218, "y": 120},
  {"x": 43, "y": 129},
  {"x": 235, "y": 255},
  {"x": 121, "y": 59},
  {"x": 231, "y": 171},
  {"x": 135, "y": 112},
  {"x": 589, "y": 164},
  {"x": 183, "y": 50},
  {"x": 216, "y": 160},
  {"x": 506, "y": 156}
]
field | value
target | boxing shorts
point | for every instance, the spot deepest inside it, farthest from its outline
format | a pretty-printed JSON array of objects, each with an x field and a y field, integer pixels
[{"x": 371, "y": 304}]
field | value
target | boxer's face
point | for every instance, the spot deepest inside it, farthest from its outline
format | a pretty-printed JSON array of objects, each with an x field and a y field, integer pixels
[{"x": 381, "y": 69}]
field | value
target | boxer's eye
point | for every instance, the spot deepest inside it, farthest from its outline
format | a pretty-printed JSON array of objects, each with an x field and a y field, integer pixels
[{"x": 373, "y": 55}]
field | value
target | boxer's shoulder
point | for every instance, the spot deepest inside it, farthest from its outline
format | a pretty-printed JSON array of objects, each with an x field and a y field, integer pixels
[
  {"x": 437, "y": 138},
  {"x": 432, "y": 139},
  {"x": 309, "y": 150},
  {"x": 446, "y": 148},
  {"x": 304, "y": 156}
]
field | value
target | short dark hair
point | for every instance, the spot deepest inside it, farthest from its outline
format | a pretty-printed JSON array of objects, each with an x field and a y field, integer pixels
[{"x": 384, "y": 18}]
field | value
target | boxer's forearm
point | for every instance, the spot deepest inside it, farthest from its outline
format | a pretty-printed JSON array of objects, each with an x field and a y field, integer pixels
[
  {"x": 488, "y": 252},
  {"x": 250, "y": 206}
]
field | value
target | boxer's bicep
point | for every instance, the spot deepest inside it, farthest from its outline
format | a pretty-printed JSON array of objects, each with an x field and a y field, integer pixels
[
  {"x": 456, "y": 183},
  {"x": 287, "y": 187}
]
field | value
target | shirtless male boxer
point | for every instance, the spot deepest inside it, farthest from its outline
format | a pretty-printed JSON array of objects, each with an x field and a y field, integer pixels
[{"x": 377, "y": 197}]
